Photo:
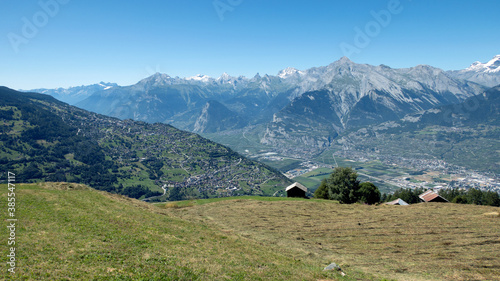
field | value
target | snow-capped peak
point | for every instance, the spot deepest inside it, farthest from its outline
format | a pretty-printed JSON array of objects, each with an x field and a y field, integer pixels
[
  {"x": 492, "y": 66},
  {"x": 494, "y": 63},
  {"x": 199, "y": 77},
  {"x": 289, "y": 71},
  {"x": 106, "y": 86},
  {"x": 225, "y": 78}
]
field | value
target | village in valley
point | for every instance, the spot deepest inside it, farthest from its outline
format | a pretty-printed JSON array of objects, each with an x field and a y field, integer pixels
[{"x": 389, "y": 173}]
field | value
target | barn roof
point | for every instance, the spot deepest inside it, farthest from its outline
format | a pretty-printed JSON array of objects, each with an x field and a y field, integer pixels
[
  {"x": 430, "y": 196},
  {"x": 296, "y": 184},
  {"x": 398, "y": 201}
]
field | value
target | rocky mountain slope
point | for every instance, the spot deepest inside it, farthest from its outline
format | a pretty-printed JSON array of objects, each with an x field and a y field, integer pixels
[
  {"x": 161, "y": 98},
  {"x": 215, "y": 117},
  {"x": 43, "y": 139},
  {"x": 465, "y": 134},
  {"x": 356, "y": 95}
]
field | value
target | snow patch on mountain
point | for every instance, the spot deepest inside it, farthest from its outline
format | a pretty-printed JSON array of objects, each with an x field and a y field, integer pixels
[
  {"x": 486, "y": 74},
  {"x": 493, "y": 66},
  {"x": 200, "y": 77},
  {"x": 289, "y": 71}
]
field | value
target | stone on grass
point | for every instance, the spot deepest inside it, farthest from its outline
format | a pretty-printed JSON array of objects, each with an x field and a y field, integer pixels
[{"x": 334, "y": 267}]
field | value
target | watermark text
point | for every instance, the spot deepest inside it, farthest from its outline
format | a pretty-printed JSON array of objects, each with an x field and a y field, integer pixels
[
  {"x": 11, "y": 221},
  {"x": 223, "y": 6},
  {"x": 31, "y": 26},
  {"x": 364, "y": 36}
]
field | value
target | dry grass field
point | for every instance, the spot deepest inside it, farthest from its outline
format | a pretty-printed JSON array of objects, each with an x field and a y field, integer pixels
[{"x": 428, "y": 241}]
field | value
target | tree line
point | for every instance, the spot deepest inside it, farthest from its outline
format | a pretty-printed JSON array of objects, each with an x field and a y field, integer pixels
[
  {"x": 471, "y": 196},
  {"x": 342, "y": 185}
]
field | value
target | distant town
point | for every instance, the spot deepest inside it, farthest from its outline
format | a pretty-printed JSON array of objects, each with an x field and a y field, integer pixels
[{"x": 412, "y": 173}]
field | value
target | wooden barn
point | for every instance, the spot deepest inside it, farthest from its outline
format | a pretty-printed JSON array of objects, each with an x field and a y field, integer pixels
[
  {"x": 431, "y": 196},
  {"x": 296, "y": 190}
]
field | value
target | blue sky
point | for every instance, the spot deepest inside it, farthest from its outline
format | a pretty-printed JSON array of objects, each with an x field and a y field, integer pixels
[{"x": 77, "y": 42}]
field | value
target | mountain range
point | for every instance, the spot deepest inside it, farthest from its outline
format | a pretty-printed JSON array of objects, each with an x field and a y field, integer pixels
[
  {"x": 356, "y": 95},
  {"x": 486, "y": 74},
  {"x": 74, "y": 95},
  {"x": 297, "y": 112},
  {"x": 181, "y": 101}
]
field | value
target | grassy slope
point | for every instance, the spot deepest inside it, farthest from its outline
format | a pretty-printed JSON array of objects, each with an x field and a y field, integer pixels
[
  {"x": 418, "y": 242},
  {"x": 84, "y": 234}
]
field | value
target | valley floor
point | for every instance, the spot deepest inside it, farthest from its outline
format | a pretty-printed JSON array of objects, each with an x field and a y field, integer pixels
[{"x": 388, "y": 171}]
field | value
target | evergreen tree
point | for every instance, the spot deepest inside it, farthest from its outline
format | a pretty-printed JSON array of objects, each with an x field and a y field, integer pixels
[
  {"x": 322, "y": 191},
  {"x": 460, "y": 199},
  {"x": 491, "y": 198},
  {"x": 368, "y": 193},
  {"x": 475, "y": 196},
  {"x": 384, "y": 197},
  {"x": 451, "y": 193},
  {"x": 471, "y": 196}
]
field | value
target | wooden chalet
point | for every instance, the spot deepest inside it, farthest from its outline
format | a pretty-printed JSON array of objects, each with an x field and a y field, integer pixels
[{"x": 296, "y": 190}]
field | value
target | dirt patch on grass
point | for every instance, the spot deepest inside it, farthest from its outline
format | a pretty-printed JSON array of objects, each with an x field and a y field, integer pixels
[
  {"x": 492, "y": 214},
  {"x": 63, "y": 186}
]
